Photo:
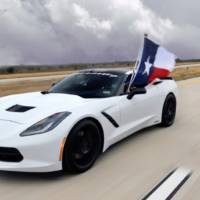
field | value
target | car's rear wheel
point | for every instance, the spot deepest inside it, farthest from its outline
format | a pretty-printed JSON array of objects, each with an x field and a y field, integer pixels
[
  {"x": 169, "y": 111},
  {"x": 82, "y": 147}
]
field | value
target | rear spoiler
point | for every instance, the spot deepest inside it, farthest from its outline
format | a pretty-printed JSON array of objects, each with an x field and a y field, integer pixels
[
  {"x": 166, "y": 78},
  {"x": 159, "y": 80}
]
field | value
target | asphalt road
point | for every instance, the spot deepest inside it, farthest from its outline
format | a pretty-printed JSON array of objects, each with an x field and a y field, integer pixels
[{"x": 131, "y": 168}]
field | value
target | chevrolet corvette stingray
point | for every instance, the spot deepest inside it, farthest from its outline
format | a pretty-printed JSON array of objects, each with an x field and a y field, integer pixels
[{"x": 68, "y": 126}]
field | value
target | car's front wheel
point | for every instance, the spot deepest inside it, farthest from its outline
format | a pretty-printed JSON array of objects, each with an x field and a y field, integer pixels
[
  {"x": 82, "y": 147},
  {"x": 169, "y": 111}
]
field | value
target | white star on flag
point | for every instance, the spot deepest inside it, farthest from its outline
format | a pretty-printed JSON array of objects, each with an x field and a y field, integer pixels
[{"x": 147, "y": 66}]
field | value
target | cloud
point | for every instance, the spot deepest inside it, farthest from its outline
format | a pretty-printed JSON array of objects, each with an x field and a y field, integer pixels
[
  {"x": 92, "y": 24},
  {"x": 73, "y": 31},
  {"x": 143, "y": 20}
]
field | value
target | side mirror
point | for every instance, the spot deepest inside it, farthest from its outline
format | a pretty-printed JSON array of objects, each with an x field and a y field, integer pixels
[{"x": 136, "y": 91}]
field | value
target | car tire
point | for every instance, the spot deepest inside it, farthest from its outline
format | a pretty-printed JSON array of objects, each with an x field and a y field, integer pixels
[
  {"x": 169, "y": 111},
  {"x": 82, "y": 147}
]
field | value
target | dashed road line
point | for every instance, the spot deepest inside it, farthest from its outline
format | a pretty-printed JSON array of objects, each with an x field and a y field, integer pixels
[{"x": 170, "y": 185}]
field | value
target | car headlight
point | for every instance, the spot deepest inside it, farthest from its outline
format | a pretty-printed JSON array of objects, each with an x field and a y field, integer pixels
[{"x": 46, "y": 124}]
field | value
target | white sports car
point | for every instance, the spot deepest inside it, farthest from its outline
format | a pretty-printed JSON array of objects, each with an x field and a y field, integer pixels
[{"x": 71, "y": 124}]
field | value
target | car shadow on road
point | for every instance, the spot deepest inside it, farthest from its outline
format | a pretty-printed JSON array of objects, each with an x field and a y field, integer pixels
[
  {"x": 32, "y": 176},
  {"x": 131, "y": 139}
]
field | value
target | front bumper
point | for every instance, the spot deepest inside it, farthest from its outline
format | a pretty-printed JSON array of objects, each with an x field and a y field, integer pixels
[
  {"x": 40, "y": 153},
  {"x": 30, "y": 166}
]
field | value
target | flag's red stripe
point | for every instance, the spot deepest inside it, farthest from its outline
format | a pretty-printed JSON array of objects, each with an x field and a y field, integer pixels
[{"x": 158, "y": 73}]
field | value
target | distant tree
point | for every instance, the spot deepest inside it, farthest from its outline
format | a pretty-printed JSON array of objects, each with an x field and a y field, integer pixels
[{"x": 10, "y": 70}]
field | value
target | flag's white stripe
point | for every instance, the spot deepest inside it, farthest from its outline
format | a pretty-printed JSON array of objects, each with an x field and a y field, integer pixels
[
  {"x": 164, "y": 59},
  {"x": 168, "y": 187}
]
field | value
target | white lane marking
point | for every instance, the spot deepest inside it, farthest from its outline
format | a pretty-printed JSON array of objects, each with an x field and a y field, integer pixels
[{"x": 170, "y": 185}]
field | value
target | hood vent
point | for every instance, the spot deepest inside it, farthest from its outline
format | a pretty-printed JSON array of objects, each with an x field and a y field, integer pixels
[{"x": 19, "y": 108}]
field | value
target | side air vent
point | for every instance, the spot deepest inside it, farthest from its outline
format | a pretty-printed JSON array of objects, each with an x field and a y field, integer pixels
[
  {"x": 19, "y": 108},
  {"x": 112, "y": 121}
]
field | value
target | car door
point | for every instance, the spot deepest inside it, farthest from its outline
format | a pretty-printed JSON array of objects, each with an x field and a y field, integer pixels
[{"x": 138, "y": 112}]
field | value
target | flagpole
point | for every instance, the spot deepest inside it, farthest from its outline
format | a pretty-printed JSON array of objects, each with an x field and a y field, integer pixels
[{"x": 137, "y": 62}]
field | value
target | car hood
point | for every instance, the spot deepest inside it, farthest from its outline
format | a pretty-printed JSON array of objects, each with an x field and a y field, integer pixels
[{"x": 31, "y": 107}]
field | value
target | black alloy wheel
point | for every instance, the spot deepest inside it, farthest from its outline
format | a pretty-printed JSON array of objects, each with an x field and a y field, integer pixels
[
  {"x": 169, "y": 111},
  {"x": 82, "y": 148}
]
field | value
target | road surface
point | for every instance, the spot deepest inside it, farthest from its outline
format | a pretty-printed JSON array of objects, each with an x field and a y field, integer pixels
[{"x": 130, "y": 169}]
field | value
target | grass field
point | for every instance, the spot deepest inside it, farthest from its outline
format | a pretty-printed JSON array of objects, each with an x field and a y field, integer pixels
[
  {"x": 25, "y": 86},
  {"x": 186, "y": 73},
  {"x": 34, "y": 74},
  {"x": 28, "y": 86}
]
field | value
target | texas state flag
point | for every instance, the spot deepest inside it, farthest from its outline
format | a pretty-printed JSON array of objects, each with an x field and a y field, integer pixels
[{"x": 156, "y": 62}]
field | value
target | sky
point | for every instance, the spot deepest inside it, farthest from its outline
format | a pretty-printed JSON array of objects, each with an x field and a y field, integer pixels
[{"x": 88, "y": 31}]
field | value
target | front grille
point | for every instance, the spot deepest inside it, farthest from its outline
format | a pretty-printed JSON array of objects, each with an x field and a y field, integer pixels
[{"x": 10, "y": 155}]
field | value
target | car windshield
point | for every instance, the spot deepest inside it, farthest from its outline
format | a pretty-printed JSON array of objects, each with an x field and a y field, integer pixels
[{"x": 90, "y": 84}]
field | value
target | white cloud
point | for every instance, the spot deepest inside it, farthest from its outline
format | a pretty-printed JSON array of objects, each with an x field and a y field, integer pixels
[
  {"x": 86, "y": 21},
  {"x": 66, "y": 31},
  {"x": 13, "y": 55}
]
